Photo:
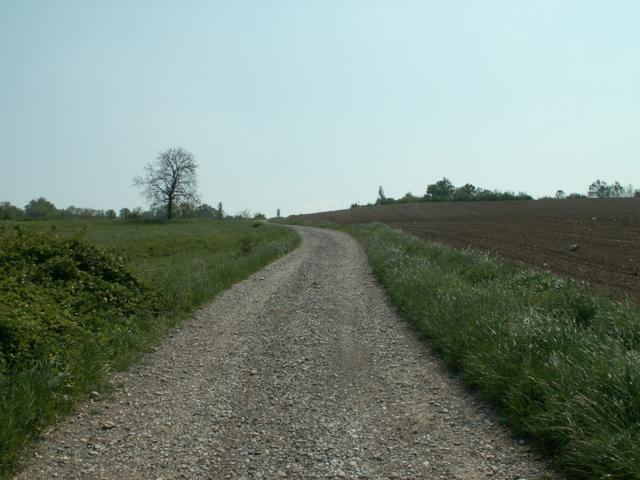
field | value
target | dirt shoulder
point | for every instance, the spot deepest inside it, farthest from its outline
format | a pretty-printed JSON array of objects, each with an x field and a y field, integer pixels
[{"x": 301, "y": 371}]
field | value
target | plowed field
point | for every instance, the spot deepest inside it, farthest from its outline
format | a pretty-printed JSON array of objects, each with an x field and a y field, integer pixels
[{"x": 597, "y": 241}]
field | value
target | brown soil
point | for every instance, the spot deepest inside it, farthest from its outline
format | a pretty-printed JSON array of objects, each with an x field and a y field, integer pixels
[{"x": 597, "y": 241}]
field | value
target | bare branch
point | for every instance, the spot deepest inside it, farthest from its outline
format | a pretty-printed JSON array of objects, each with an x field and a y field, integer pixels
[{"x": 170, "y": 180}]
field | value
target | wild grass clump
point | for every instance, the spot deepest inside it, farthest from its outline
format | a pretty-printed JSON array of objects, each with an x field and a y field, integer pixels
[
  {"x": 561, "y": 363},
  {"x": 80, "y": 299}
]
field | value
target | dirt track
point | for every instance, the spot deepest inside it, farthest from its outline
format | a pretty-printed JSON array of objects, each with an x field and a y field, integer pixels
[
  {"x": 302, "y": 371},
  {"x": 597, "y": 241}
]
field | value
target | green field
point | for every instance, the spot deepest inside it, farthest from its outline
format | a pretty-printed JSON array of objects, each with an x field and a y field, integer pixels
[
  {"x": 560, "y": 363},
  {"x": 80, "y": 299}
]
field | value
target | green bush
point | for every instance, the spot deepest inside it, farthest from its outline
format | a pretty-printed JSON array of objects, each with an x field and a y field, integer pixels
[{"x": 67, "y": 307}]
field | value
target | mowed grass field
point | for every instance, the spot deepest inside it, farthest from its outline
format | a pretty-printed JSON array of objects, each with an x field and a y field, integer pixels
[{"x": 79, "y": 299}]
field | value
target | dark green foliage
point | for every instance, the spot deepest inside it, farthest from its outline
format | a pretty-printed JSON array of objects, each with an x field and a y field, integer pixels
[
  {"x": 601, "y": 189},
  {"x": 562, "y": 364},
  {"x": 10, "y": 212},
  {"x": 409, "y": 198},
  {"x": 444, "y": 191},
  {"x": 65, "y": 307},
  {"x": 57, "y": 291},
  {"x": 206, "y": 211},
  {"x": 464, "y": 193},
  {"x": 441, "y": 190},
  {"x": 86, "y": 213},
  {"x": 41, "y": 209}
]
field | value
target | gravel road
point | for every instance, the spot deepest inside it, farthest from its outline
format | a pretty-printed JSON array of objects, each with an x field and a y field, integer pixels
[{"x": 301, "y": 371}]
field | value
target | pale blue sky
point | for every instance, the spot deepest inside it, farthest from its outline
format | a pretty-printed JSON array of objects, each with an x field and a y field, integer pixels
[{"x": 311, "y": 105}]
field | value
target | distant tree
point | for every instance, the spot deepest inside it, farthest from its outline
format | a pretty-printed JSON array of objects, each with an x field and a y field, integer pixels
[
  {"x": 170, "y": 180},
  {"x": 560, "y": 195},
  {"x": 220, "y": 211},
  {"x": 409, "y": 198},
  {"x": 630, "y": 191},
  {"x": 522, "y": 196},
  {"x": 185, "y": 210},
  {"x": 382, "y": 199},
  {"x": 464, "y": 193},
  {"x": 206, "y": 211},
  {"x": 10, "y": 212},
  {"x": 599, "y": 189},
  {"x": 617, "y": 190},
  {"x": 78, "y": 212},
  {"x": 444, "y": 191},
  {"x": 486, "y": 195},
  {"x": 124, "y": 213},
  {"x": 137, "y": 212},
  {"x": 41, "y": 209},
  {"x": 110, "y": 214},
  {"x": 573, "y": 196},
  {"x": 441, "y": 190},
  {"x": 259, "y": 216}
]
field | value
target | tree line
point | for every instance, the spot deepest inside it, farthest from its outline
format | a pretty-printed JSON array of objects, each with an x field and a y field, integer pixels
[
  {"x": 445, "y": 191},
  {"x": 43, "y": 209},
  {"x": 600, "y": 189}
]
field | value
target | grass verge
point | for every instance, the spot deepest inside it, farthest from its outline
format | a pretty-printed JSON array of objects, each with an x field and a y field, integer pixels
[
  {"x": 561, "y": 363},
  {"x": 80, "y": 299}
]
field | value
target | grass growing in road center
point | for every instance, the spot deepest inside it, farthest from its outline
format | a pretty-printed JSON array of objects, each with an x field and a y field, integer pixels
[
  {"x": 561, "y": 363},
  {"x": 79, "y": 299}
]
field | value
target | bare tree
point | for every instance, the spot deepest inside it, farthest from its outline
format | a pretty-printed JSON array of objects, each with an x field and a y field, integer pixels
[{"x": 170, "y": 180}]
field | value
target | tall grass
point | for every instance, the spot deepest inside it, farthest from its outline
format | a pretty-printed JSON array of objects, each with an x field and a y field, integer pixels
[
  {"x": 561, "y": 363},
  {"x": 71, "y": 312}
]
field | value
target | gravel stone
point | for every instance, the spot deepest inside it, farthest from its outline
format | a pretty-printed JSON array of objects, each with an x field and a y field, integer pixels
[{"x": 301, "y": 371}]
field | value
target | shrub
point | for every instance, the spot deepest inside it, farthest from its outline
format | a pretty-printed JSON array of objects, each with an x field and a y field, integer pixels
[{"x": 67, "y": 308}]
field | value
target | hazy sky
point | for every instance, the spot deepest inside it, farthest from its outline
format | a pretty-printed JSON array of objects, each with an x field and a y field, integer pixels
[{"x": 311, "y": 105}]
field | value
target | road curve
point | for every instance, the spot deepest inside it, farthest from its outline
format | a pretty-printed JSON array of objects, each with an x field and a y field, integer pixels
[{"x": 301, "y": 371}]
